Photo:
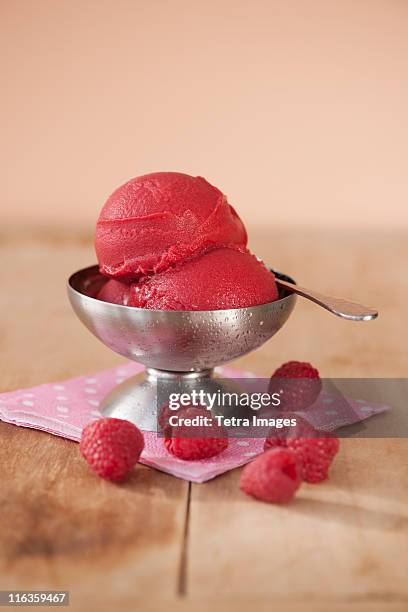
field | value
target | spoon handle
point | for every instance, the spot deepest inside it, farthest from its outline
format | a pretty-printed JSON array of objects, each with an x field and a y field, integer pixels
[{"x": 342, "y": 308}]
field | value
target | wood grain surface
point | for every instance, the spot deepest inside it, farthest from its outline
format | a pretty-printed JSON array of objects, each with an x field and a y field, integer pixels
[{"x": 342, "y": 545}]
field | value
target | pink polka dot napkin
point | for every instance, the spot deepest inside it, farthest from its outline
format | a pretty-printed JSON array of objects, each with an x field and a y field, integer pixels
[{"x": 65, "y": 407}]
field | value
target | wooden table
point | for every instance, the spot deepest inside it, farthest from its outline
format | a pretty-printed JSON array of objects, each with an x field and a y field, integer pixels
[{"x": 161, "y": 543}]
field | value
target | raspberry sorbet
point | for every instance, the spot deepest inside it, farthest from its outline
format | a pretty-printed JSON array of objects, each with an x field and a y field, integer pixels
[{"x": 170, "y": 241}]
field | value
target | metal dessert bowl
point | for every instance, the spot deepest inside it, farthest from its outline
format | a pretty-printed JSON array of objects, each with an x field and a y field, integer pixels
[
  {"x": 176, "y": 340},
  {"x": 172, "y": 344}
]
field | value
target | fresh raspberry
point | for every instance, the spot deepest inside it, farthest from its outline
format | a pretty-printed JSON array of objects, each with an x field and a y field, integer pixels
[
  {"x": 194, "y": 449},
  {"x": 189, "y": 411},
  {"x": 298, "y": 384},
  {"x": 274, "y": 476},
  {"x": 194, "y": 443},
  {"x": 316, "y": 456},
  {"x": 315, "y": 449},
  {"x": 302, "y": 429},
  {"x": 296, "y": 369},
  {"x": 111, "y": 447}
]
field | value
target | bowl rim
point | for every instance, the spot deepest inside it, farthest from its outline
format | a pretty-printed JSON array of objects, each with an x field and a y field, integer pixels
[{"x": 95, "y": 269}]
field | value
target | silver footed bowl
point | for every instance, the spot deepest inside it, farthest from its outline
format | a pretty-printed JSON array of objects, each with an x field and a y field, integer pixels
[
  {"x": 176, "y": 340},
  {"x": 177, "y": 347}
]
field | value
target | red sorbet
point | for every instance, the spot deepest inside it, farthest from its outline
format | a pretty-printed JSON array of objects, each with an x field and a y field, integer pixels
[
  {"x": 170, "y": 241},
  {"x": 115, "y": 292},
  {"x": 161, "y": 219},
  {"x": 223, "y": 278}
]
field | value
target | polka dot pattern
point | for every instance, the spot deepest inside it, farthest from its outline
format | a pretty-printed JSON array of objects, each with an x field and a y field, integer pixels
[{"x": 64, "y": 408}]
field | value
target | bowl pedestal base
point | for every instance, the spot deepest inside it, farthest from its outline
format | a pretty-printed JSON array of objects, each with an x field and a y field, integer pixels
[
  {"x": 137, "y": 399},
  {"x": 140, "y": 398}
]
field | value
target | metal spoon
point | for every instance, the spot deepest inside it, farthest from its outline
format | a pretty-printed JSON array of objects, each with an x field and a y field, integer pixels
[{"x": 342, "y": 308}]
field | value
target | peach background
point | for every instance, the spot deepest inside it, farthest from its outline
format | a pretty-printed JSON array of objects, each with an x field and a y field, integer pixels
[{"x": 297, "y": 109}]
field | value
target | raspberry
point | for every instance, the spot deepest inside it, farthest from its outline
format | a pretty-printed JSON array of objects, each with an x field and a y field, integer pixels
[
  {"x": 189, "y": 411},
  {"x": 298, "y": 384},
  {"x": 111, "y": 447},
  {"x": 302, "y": 429},
  {"x": 315, "y": 450},
  {"x": 274, "y": 476},
  {"x": 296, "y": 369},
  {"x": 194, "y": 443},
  {"x": 194, "y": 449},
  {"x": 316, "y": 456}
]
